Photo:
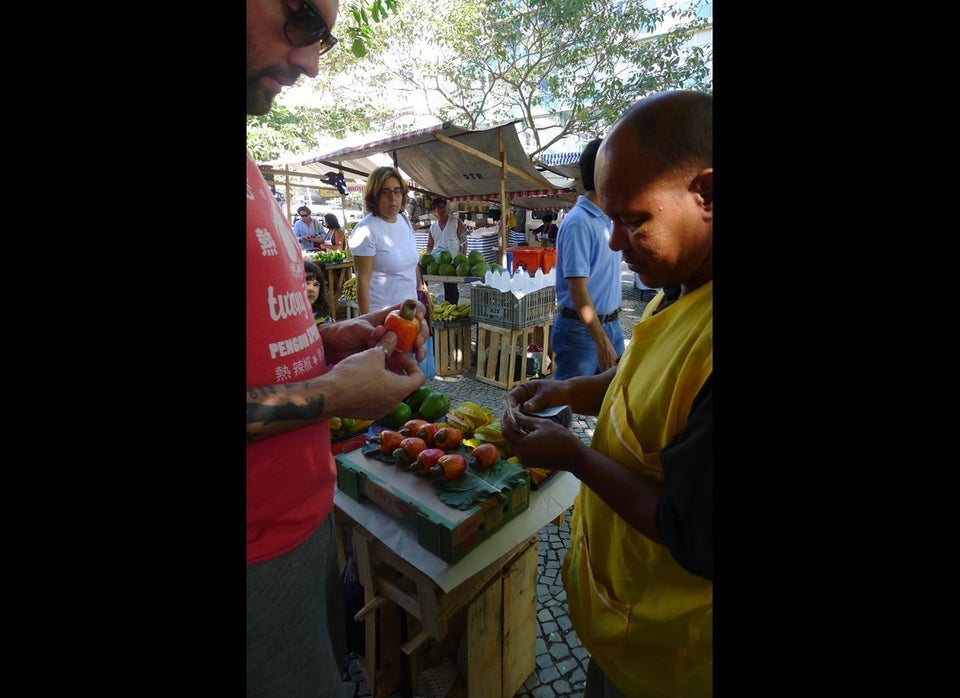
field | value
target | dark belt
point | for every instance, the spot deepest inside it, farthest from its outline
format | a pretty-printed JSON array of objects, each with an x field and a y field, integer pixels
[{"x": 604, "y": 319}]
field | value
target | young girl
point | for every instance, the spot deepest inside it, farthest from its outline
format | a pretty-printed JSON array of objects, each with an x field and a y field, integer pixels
[{"x": 317, "y": 293}]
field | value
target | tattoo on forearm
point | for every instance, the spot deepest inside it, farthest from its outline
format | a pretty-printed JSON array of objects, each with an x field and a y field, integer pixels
[{"x": 266, "y": 415}]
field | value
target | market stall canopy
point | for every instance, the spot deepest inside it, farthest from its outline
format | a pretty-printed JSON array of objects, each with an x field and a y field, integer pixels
[
  {"x": 295, "y": 164},
  {"x": 542, "y": 202},
  {"x": 450, "y": 161}
]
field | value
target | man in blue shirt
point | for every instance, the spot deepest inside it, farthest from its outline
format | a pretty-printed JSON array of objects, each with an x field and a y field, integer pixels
[
  {"x": 308, "y": 230},
  {"x": 586, "y": 337}
]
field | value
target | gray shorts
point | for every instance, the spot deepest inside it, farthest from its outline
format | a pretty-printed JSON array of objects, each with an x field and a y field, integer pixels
[{"x": 296, "y": 645}]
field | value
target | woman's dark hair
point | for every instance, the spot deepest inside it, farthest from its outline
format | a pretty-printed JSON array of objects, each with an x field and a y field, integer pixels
[
  {"x": 547, "y": 217},
  {"x": 331, "y": 220}
]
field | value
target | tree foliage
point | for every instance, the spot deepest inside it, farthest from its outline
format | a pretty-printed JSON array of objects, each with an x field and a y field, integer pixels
[
  {"x": 479, "y": 62},
  {"x": 357, "y": 29},
  {"x": 580, "y": 60}
]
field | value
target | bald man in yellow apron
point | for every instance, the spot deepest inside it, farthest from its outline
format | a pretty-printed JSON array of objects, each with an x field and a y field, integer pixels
[{"x": 639, "y": 571}]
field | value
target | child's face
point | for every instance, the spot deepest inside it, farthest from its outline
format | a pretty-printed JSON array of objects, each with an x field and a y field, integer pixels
[{"x": 313, "y": 289}]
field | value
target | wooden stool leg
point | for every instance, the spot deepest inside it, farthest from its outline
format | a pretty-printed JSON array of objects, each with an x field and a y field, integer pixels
[
  {"x": 505, "y": 375},
  {"x": 390, "y": 670},
  {"x": 485, "y": 644},
  {"x": 546, "y": 362}
]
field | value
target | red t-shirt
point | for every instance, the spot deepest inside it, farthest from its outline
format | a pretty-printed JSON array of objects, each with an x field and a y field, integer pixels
[{"x": 290, "y": 477}]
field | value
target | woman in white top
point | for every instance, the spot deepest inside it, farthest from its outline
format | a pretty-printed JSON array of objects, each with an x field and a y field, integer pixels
[
  {"x": 446, "y": 233},
  {"x": 384, "y": 249}
]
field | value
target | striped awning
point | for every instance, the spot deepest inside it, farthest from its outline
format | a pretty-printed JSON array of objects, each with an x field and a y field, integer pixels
[
  {"x": 560, "y": 158},
  {"x": 531, "y": 199}
]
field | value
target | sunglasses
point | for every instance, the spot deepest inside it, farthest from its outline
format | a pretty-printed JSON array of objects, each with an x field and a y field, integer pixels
[
  {"x": 396, "y": 191},
  {"x": 304, "y": 215},
  {"x": 306, "y": 27}
]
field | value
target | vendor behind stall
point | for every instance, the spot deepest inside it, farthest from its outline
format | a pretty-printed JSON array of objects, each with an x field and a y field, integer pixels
[
  {"x": 446, "y": 233},
  {"x": 547, "y": 233}
]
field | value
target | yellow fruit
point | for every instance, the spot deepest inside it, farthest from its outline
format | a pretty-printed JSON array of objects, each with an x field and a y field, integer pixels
[
  {"x": 479, "y": 416},
  {"x": 489, "y": 433},
  {"x": 538, "y": 475},
  {"x": 464, "y": 425}
]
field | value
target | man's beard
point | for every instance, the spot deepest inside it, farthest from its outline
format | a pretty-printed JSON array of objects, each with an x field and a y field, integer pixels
[{"x": 258, "y": 103}]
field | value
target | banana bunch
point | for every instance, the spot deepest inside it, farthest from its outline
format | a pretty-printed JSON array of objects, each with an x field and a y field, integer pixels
[
  {"x": 447, "y": 311},
  {"x": 341, "y": 426},
  {"x": 349, "y": 292}
]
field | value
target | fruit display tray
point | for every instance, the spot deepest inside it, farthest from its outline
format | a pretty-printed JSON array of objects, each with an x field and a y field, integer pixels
[{"x": 447, "y": 532}]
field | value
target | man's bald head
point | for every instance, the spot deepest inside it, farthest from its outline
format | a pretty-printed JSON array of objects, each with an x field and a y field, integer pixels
[
  {"x": 654, "y": 178},
  {"x": 671, "y": 129}
]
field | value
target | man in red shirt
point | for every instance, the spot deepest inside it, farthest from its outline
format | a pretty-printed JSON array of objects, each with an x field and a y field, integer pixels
[{"x": 299, "y": 375}]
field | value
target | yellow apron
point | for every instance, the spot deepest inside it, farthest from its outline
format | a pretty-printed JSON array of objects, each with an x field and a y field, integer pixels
[{"x": 646, "y": 620}]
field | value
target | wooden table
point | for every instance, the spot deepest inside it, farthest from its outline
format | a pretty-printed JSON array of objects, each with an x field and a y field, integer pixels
[
  {"x": 450, "y": 279},
  {"x": 337, "y": 276},
  {"x": 493, "y": 612},
  {"x": 487, "y": 599}
]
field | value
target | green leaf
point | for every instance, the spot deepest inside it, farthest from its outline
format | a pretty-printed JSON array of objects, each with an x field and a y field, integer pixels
[
  {"x": 372, "y": 450},
  {"x": 476, "y": 486}
]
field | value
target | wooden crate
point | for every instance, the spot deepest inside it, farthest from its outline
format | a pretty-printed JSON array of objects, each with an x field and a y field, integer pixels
[
  {"x": 494, "y": 612},
  {"x": 348, "y": 310},
  {"x": 499, "y": 347},
  {"x": 451, "y": 347}
]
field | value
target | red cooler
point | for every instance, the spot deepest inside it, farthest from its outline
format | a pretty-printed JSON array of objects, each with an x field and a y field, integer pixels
[
  {"x": 530, "y": 257},
  {"x": 549, "y": 260}
]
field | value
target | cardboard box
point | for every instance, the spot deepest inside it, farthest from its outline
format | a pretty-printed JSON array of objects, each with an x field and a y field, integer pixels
[{"x": 445, "y": 531}]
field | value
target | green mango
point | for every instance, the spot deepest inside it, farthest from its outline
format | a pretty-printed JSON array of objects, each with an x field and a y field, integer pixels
[
  {"x": 416, "y": 398},
  {"x": 426, "y": 260},
  {"x": 445, "y": 257},
  {"x": 460, "y": 259},
  {"x": 398, "y": 417},
  {"x": 463, "y": 269},
  {"x": 448, "y": 270},
  {"x": 435, "y": 406}
]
